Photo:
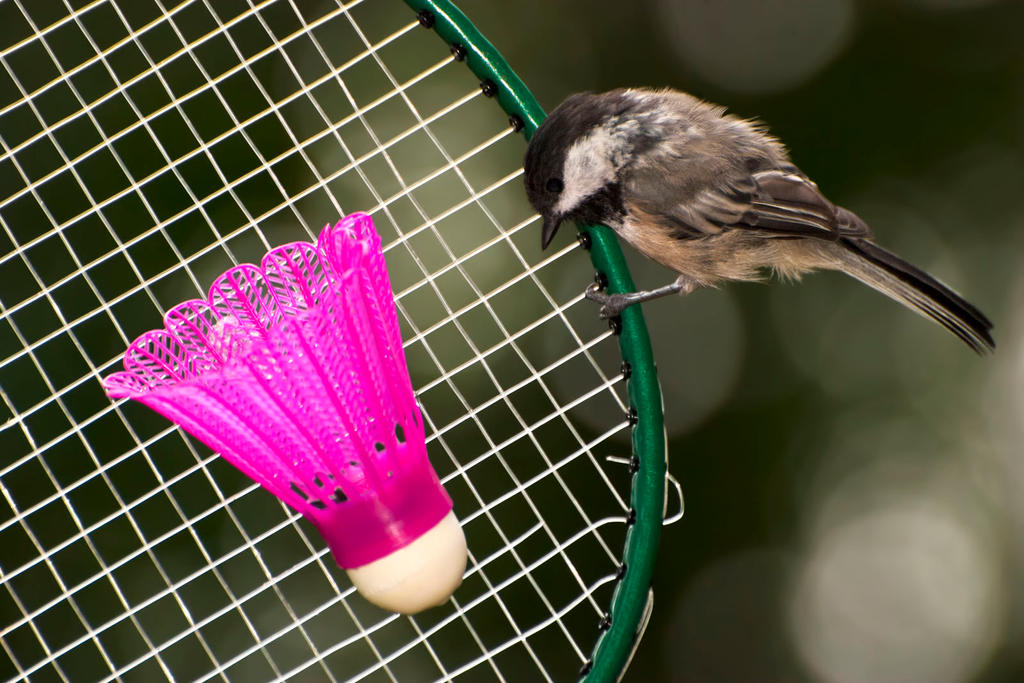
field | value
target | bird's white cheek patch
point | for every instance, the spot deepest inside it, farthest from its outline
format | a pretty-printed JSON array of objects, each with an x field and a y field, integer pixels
[{"x": 588, "y": 168}]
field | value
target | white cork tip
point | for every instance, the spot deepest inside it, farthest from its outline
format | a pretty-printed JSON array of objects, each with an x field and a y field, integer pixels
[{"x": 423, "y": 574}]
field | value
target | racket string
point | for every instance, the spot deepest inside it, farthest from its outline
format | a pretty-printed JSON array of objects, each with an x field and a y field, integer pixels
[{"x": 520, "y": 557}]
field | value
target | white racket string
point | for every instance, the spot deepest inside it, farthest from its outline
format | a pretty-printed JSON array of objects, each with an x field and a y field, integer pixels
[{"x": 148, "y": 146}]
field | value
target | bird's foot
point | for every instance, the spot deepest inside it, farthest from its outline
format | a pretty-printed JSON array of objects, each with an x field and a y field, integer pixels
[{"x": 612, "y": 305}]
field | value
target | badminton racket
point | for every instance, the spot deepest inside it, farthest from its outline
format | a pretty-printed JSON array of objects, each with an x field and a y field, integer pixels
[{"x": 148, "y": 146}]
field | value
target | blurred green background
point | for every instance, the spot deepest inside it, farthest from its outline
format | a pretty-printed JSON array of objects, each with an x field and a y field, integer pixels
[{"x": 852, "y": 473}]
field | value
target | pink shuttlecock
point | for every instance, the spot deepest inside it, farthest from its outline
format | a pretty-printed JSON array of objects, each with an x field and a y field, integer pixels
[{"x": 294, "y": 372}]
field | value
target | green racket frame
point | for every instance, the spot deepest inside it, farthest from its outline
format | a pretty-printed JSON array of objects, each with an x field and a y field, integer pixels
[{"x": 631, "y": 601}]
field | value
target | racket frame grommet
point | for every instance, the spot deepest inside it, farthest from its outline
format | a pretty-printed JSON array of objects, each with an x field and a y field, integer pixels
[{"x": 426, "y": 18}]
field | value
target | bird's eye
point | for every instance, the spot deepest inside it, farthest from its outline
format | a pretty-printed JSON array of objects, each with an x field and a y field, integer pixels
[{"x": 555, "y": 185}]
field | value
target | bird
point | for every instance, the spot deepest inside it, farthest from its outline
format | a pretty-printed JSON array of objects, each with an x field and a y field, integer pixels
[
  {"x": 294, "y": 372},
  {"x": 713, "y": 197}
]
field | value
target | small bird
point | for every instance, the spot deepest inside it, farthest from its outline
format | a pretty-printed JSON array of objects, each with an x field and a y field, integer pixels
[{"x": 713, "y": 197}]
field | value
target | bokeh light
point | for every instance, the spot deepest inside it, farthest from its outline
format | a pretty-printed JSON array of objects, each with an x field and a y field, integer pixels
[
  {"x": 701, "y": 369},
  {"x": 755, "y": 46},
  {"x": 733, "y": 606},
  {"x": 907, "y": 591}
]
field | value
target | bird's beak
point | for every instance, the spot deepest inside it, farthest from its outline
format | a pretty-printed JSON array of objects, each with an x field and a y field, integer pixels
[{"x": 551, "y": 224}]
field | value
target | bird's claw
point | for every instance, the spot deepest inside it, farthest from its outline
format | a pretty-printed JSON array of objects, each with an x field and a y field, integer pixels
[{"x": 612, "y": 305}]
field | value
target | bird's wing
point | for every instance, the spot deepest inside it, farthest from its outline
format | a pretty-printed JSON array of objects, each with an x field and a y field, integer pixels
[
  {"x": 788, "y": 204},
  {"x": 775, "y": 202}
]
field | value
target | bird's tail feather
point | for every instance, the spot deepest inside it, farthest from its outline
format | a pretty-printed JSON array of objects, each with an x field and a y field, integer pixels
[{"x": 916, "y": 289}]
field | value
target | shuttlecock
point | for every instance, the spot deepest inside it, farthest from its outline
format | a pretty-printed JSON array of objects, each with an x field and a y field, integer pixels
[{"x": 294, "y": 372}]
